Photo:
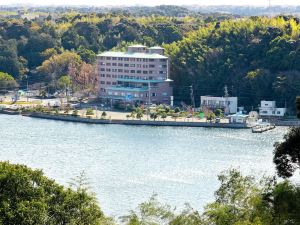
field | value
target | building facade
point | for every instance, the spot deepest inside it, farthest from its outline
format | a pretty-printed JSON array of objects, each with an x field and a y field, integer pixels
[
  {"x": 139, "y": 75},
  {"x": 227, "y": 104},
  {"x": 268, "y": 108}
]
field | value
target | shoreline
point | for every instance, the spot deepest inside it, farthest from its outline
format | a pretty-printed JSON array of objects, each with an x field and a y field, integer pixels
[
  {"x": 69, "y": 118},
  {"x": 135, "y": 122}
]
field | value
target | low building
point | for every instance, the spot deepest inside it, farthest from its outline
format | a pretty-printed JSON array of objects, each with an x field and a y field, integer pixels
[
  {"x": 138, "y": 75},
  {"x": 227, "y": 104},
  {"x": 238, "y": 118},
  {"x": 268, "y": 108}
]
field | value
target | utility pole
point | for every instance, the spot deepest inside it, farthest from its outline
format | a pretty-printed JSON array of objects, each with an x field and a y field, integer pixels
[
  {"x": 192, "y": 97},
  {"x": 226, "y": 99}
]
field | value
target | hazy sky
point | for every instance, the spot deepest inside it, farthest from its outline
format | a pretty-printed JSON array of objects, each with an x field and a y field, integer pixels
[{"x": 152, "y": 2}]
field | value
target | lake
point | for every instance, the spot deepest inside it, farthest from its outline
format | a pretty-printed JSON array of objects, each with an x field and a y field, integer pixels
[{"x": 125, "y": 165}]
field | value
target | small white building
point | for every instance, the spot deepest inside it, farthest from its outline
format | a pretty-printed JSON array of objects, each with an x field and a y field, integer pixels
[
  {"x": 227, "y": 104},
  {"x": 239, "y": 117},
  {"x": 268, "y": 108}
]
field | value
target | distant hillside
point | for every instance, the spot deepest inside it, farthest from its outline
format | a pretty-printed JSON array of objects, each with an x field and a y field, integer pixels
[{"x": 246, "y": 10}]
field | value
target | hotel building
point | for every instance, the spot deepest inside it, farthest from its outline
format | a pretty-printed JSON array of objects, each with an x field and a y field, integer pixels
[{"x": 139, "y": 75}]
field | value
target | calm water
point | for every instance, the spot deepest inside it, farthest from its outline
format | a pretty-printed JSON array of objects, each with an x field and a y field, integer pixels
[{"x": 127, "y": 164}]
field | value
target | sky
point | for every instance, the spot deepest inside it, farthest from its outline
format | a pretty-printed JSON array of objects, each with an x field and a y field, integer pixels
[{"x": 151, "y": 2}]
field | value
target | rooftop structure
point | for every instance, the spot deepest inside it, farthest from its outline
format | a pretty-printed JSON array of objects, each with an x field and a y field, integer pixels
[{"x": 138, "y": 75}]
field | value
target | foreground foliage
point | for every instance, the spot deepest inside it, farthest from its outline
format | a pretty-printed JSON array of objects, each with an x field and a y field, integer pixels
[{"x": 28, "y": 197}]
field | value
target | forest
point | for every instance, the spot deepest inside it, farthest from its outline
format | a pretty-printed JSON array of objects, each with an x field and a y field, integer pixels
[{"x": 255, "y": 57}]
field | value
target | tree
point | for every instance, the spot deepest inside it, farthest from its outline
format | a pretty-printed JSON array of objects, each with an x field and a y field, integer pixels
[
  {"x": 6, "y": 81},
  {"x": 164, "y": 115},
  {"x": 57, "y": 65},
  {"x": 28, "y": 197},
  {"x": 211, "y": 116},
  {"x": 218, "y": 112},
  {"x": 287, "y": 153},
  {"x": 89, "y": 112},
  {"x": 64, "y": 83},
  {"x": 154, "y": 115},
  {"x": 239, "y": 200},
  {"x": 103, "y": 115},
  {"x": 139, "y": 113}
]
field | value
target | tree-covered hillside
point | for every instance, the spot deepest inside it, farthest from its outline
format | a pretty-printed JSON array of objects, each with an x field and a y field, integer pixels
[{"x": 257, "y": 58}]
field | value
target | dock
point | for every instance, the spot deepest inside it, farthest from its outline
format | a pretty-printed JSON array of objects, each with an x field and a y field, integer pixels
[{"x": 263, "y": 128}]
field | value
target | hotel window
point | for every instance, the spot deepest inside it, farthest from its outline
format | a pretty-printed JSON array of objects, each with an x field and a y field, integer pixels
[
  {"x": 163, "y": 60},
  {"x": 120, "y": 70},
  {"x": 102, "y": 75},
  {"x": 138, "y": 71},
  {"x": 126, "y": 59},
  {"x": 114, "y": 64},
  {"x": 138, "y": 65},
  {"x": 102, "y": 89},
  {"x": 102, "y": 82},
  {"x": 161, "y": 72},
  {"x": 132, "y": 65},
  {"x": 151, "y": 66},
  {"x": 114, "y": 70},
  {"x": 108, "y": 64},
  {"x": 145, "y": 60},
  {"x": 150, "y": 72},
  {"x": 107, "y": 75},
  {"x": 126, "y": 65},
  {"x": 138, "y": 60},
  {"x": 114, "y": 58},
  {"x": 108, "y": 69},
  {"x": 145, "y": 72},
  {"x": 108, "y": 83},
  {"x": 145, "y": 66},
  {"x": 132, "y": 60},
  {"x": 126, "y": 71},
  {"x": 114, "y": 76},
  {"x": 108, "y": 58},
  {"x": 102, "y": 69},
  {"x": 120, "y": 59},
  {"x": 132, "y": 71},
  {"x": 151, "y": 60},
  {"x": 101, "y": 57},
  {"x": 102, "y": 63},
  {"x": 120, "y": 64},
  {"x": 114, "y": 83}
]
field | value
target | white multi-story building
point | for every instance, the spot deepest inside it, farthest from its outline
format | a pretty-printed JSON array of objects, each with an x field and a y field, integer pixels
[
  {"x": 227, "y": 104},
  {"x": 138, "y": 75},
  {"x": 268, "y": 108}
]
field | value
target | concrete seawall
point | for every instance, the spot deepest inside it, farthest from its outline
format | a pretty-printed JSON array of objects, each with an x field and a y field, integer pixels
[{"x": 136, "y": 122}]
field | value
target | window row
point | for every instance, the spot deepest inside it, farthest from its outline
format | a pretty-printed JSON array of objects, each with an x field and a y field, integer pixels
[
  {"x": 132, "y": 59},
  {"x": 132, "y": 71}
]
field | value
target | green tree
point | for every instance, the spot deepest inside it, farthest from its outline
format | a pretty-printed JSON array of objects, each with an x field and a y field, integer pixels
[
  {"x": 287, "y": 153},
  {"x": 218, "y": 112},
  {"x": 64, "y": 83},
  {"x": 28, "y": 197},
  {"x": 6, "y": 81}
]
